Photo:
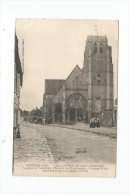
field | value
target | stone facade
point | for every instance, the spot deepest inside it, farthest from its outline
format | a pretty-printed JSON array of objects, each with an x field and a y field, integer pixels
[{"x": 87, "y": 92}]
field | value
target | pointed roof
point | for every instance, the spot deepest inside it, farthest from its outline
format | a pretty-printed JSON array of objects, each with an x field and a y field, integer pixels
[{"x": 76, "y": 70}]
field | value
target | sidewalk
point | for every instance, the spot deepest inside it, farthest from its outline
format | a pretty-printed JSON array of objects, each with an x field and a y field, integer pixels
[
  {"x": 106, "y": 131},
  {"x": 32, "y": 147}
]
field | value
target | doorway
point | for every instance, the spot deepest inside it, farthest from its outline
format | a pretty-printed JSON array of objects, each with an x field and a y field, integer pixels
[
  {"x": 58, "y": 112},
  {"x": 72, "y": 114}
]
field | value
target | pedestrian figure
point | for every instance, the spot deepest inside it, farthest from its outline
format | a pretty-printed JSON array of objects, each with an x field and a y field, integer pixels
[
  {"x": 94, "y": 122},
  {"x": 18, "y": 133},
  {"x": 44, "y": 121},
  {"x": 98, "y": 122},
  {"x": 91, "y": 123}
]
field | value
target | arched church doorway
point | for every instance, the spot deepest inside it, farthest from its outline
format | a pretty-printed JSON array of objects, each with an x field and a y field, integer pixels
[
  {"x": 58, "y": 112},
  {"x": 72, "y": 114},
  {"x": 79, "y": 114},
  {"x": 76, "y": 108}
]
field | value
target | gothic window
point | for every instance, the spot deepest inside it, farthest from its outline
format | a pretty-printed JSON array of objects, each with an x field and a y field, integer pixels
[
  {"x": 95, "y": 48},
  {"x": 98, "y": 79},
  {"x": 80, "y": 83},
  {"x": 101, "y": 48},
  {"x": 73, "y": 84},
  {"x": 76, "y": 78},
  {"x": 76, "y": 82}
]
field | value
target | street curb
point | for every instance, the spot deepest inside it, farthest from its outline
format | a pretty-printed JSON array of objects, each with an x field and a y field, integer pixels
[{"x": 111, "y": 136}]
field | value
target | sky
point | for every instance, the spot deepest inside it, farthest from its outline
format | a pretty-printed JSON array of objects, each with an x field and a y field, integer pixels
[{"x": 53, "y": 47}]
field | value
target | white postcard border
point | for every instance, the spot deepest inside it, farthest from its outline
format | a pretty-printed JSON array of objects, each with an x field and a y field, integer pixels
[{"x": 10, "y": 10}]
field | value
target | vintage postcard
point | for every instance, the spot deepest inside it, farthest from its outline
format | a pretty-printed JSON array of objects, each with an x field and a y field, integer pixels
[{"x": 65, "y": 97}]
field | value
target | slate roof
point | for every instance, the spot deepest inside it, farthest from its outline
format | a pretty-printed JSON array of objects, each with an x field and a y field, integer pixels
[{"x": 52, "y": 86}]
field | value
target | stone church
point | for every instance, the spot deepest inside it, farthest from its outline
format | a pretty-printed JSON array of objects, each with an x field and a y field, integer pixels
[{"x": 87, "y": 92}]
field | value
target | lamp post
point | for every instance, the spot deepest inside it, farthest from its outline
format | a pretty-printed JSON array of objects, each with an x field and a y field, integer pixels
[{"x": 18, "y": 135}]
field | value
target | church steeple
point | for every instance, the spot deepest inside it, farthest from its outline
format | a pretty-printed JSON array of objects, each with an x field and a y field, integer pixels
[{"x": 98, "y": 72}]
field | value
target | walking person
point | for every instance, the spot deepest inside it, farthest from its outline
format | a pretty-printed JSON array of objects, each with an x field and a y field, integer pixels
[
  {"x": 98, "y": 122},
  {"x": 18, "y": 133}
]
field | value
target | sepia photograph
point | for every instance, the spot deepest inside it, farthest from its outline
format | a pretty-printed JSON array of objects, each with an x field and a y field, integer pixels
[{"x": 65, "y": 97}]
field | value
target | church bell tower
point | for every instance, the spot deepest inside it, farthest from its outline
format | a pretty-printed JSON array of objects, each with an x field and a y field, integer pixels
[{"x": 98, "y": 75}]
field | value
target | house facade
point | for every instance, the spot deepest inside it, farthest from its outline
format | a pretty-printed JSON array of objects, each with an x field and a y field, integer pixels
[{"x": 18, "y": 80}]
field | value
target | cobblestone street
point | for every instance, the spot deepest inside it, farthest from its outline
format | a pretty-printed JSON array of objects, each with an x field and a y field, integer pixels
[
  {"x": 42, "y": 147},
  {"x": 49, "y": 144}
]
